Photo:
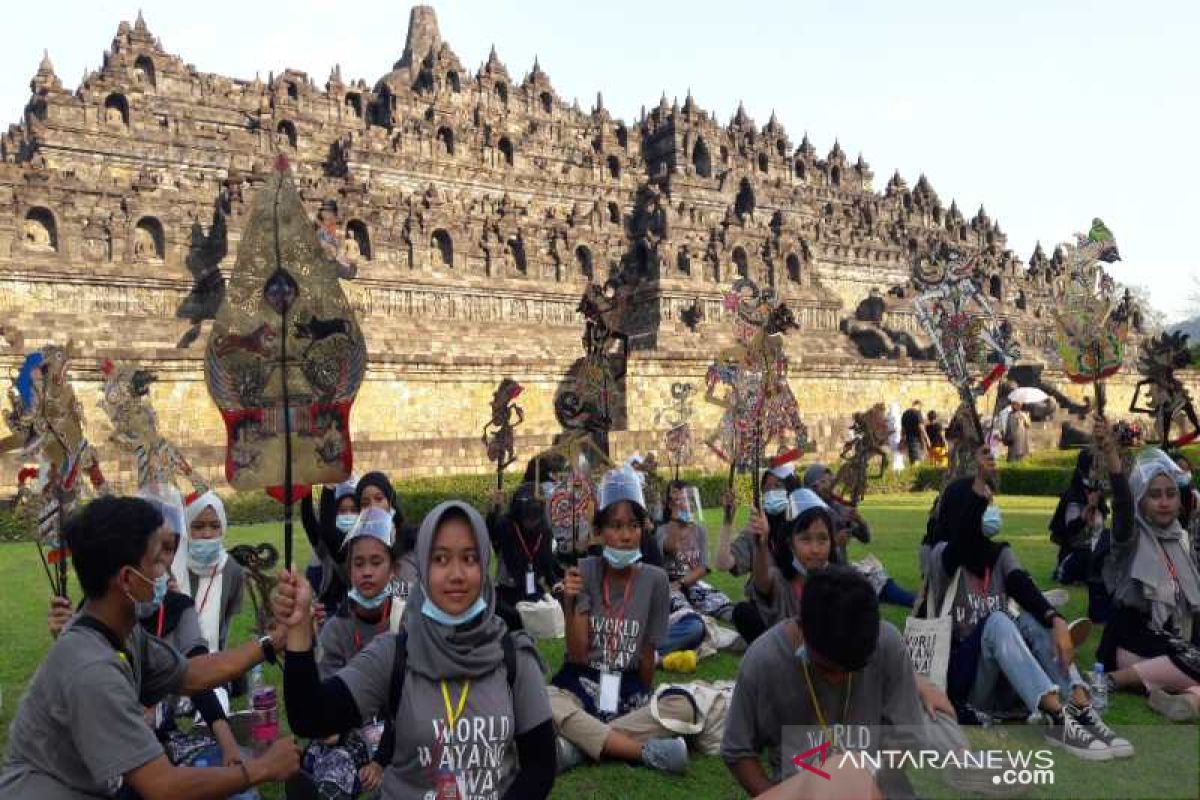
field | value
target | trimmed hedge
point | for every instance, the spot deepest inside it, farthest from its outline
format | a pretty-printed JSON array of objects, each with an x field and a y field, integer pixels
[{"x": 1046, "y": 474}]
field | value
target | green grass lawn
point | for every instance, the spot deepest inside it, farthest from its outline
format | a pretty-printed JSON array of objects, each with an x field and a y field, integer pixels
[{"x": 898, "y": 522}]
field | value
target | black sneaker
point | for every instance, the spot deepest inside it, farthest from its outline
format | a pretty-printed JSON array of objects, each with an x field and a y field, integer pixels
[
  {"x": 1088, "y": 718},
  {"x": 1068, "y": 733}
]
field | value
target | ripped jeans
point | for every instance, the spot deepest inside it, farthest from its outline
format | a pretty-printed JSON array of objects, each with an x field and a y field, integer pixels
[{"x": 1023, "y": 652}]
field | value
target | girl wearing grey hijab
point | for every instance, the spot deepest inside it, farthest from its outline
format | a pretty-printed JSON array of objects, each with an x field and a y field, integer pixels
[
  {"x": 457, "y": 712},
  {"x": 1152, "y": 641}
]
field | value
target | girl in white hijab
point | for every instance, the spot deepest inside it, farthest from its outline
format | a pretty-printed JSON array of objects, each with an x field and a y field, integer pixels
[
  {"x": 214, "y": 581},
  {"x": 1152, "y": 641}
]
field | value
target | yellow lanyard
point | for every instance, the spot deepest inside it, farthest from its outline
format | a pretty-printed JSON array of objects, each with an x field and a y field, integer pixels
[
  {"x": 452, "y": 715},
  {"x": 812, "y": 694}
]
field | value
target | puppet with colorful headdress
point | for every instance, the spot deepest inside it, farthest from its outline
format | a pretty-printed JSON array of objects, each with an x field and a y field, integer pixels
[
  {"x": 46, "y": 424},
  {"x": 974, "y": 346},
  {"x": 759, "y": 405}
]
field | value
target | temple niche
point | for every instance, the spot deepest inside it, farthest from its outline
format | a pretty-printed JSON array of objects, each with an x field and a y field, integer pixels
[{"x": 466, "y": 208}]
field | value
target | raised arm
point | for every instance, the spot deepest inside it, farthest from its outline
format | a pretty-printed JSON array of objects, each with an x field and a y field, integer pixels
[
  {"x": 725, "y": 561},
  {"x": 762, "y": 552}
]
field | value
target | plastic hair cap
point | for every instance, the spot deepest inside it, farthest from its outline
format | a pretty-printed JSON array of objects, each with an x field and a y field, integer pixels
[
  {"x": 621, "y": 484},
  {"x": 803, "y": 499},
  {"x": 375, "y": 523}
]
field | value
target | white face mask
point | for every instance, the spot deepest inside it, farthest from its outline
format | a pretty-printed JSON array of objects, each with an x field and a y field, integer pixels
[{"x": 991, "y": 521}]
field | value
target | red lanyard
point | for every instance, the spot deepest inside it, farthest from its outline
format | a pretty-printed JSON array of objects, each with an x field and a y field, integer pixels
[
  {"x": 162, "y": 610},
  {"x": 529, "y": 553},
  {"x": 615, "y": 638},
  {"x": 797, "y": 589},
  {"x": 1162, "y": 551},
  {"x": 211, "y": 580},
  {"x": 987, "y": 579},
  {"x": 383, "y": 622}
]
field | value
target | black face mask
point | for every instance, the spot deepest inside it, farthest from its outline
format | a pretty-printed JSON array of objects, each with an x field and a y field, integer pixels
[{"x": 526, "y": 510}]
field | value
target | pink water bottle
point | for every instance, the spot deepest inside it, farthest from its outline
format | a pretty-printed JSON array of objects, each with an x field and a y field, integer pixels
[{"x": 264, "y": 705}]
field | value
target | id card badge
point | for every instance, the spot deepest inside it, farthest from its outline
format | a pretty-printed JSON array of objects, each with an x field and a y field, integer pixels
[
  {"x": 447, "y": 786},
  {"x": 610, "y": 692},
  {"x": 530, "y": 582},
  {"x": 160, "y": 715}
]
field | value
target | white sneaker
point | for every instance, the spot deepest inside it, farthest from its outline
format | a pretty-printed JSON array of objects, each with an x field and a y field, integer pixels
[{"x": 1057, "y": 597}]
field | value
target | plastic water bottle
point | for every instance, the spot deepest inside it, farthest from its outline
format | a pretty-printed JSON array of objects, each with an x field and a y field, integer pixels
[
  {"x": 1099, "y": 688},
  {"x": 264, "y": 705}
]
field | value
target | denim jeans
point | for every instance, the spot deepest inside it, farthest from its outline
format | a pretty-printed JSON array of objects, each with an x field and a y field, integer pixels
[
  {"x": 1041, "y": 644},
  {"x": 1003, "y": 651},
  {"x": 686, "y": 633}
]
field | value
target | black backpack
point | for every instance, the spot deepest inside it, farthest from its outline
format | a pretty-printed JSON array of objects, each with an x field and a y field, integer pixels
[{"x": 400, "y": 663}]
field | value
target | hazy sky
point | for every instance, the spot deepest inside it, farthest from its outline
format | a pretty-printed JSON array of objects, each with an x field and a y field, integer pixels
[{"x": 1047, "y": 113}]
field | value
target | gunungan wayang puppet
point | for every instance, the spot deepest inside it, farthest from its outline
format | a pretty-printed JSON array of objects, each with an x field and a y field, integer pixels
[{"x": 286, "y": 356}]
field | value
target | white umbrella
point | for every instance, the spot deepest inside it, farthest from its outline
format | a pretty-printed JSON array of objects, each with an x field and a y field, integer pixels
[{"x": 1027, "y": 395}]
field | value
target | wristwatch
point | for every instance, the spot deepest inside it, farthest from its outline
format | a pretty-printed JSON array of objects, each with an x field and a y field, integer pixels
[{"x": 268, "y": 648}]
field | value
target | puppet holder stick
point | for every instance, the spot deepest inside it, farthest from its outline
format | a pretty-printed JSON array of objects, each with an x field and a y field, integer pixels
[
  {"x": 499, "y": 477},
  {"x": 46, "y": 566},
  {"x": 280, "y": 291}
]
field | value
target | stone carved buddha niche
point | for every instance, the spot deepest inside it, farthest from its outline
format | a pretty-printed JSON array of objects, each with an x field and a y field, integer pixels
[{"x": 39, "y": 232}]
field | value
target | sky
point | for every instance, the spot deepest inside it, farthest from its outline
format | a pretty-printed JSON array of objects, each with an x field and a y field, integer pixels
[{"x": 1046, "y": 112}]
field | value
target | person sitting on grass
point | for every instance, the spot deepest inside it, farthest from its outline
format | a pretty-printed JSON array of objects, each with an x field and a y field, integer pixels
[
  {"x": 616, "y": 613},
  {"x": 835, "y": 667},
  {"x": 79, "y": 731},
  {"x": 1034, "y": 650},
  {"x": 684, "y": 543},
  {"x": 848, "y": 522},
  {"x": 1152, "y": 641},
  {"x": 344, "y": 765},
  {"x": 737, "y": 557},
  {"x": 524, "y": 546},
  {"x": 173, "y": 619},
  {"x": 466, "y": 697}
]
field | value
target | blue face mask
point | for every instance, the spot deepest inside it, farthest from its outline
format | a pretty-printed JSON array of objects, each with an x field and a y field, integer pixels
[
  {"x": 775, "y": 501},
  {"x": 683, "y": 516},
  {"x": 205, "y": 552},
  {"x": 370, "y": 603},
  {"x": 991, "y": 521},
  {"x": 431, "y": 610},
  {"x": 144, "y": 608},
  {"x": 345, "y": 522},
  {"x": 621, "y": 559},
  {"x": 796, "y": 565}
]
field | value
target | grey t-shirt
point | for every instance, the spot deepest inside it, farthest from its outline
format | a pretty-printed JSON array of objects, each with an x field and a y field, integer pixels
[
  {"x": 79, "y": 727},
  {"x": 479, "y": 749},
  {"x": 771, "y": 693},
  {"x": 692, "y": 551},
  {"x": 407, "y": 575},
  {"x": 742, "y": 550},
  {"x": 784, "y": 602},
  {"x": 976, "y": 597},
  {"x": 617, "y": 632},
  {"x": 343, "y": 636}
]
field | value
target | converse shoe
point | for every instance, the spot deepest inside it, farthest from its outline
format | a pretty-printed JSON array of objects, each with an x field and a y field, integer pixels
[
  {"x": 1090, "y": 719},
  {"x": 666, "y": 755},
  {"x": 1175, "y": 707},
  {"x": 569, "y": 756},
  {"x": 1068, "y": 733}
]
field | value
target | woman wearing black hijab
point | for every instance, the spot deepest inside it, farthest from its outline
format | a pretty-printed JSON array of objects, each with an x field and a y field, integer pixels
[
  {"x": 976, "y": 576},
  {"x": 525, "y": 546},
  {"x": 1077, "y": 526}
]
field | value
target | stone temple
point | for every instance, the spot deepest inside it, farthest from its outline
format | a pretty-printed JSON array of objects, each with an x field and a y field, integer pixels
[{"x": 472, "y": 207}]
